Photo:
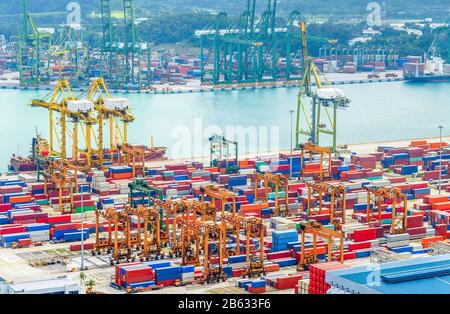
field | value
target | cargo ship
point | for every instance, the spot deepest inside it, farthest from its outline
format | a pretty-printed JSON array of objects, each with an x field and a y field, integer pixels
[
  {"x": 18, "y": 163},
  {"x": 40, "y": 147},
  {"x": 432, "y": 71}
]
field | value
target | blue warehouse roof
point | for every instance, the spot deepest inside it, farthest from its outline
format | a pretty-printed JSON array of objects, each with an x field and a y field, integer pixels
[{"x": 428, "y": 275}]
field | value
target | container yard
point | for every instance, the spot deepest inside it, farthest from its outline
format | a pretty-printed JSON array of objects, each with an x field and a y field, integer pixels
[{"x": 353, "y": 197}]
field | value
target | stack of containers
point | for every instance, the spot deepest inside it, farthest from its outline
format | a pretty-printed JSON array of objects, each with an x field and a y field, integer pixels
[
  {"x": 256, "y": 286},
  {"x": 281, "y": 238},
  {"x": 366, "y": 161},
  {"x": 135, "y": 276},
  {"x": 317, "y": 276},
  {"x": 166, "y": 276},
  {"x": 99, "y": 184},
  {"x": 83, "y": 202},
  {"x": 237, "y": 262},
  {"x": 10, "y": 234},
  {"x": 39, "y": 232},
  {"x": 120, "y": 172},
  {"x": 302, "y": 287},
  {"x": 237, "y": 181},
  {"x": 187, "y": 273},
  {"x": 397, "y": 240},
  {"x": 285, "y": 282}
]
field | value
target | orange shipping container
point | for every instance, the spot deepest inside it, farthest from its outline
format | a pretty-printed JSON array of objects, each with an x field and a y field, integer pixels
[
  {"x": 418, "y": 143},
  {"x": 320, "y": 250},
  {"x": 20, "y": 199},
  {"x": 254, "y": 207},
  {"x": 122, "y": 175},
  {"x": 438, "y": 145},
  {"x": 272, "y": 268},
  {"x": 426, "y": 241},
  {"x": 441, "y": 206},
  {"x": 243, "y": 164}
]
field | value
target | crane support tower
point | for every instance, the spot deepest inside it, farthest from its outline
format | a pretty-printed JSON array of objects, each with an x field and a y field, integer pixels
[
  {"x": 251, "y": 49},
  {"x": 33, "y": 48},
  {"x": 221, "y": 147},
  {"x": 312, "y": 103}
]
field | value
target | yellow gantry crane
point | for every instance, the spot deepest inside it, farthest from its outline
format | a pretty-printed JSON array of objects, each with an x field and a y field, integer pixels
[
  {"x": 113, "y": 110},
  {"x": 81, "y": 112}
]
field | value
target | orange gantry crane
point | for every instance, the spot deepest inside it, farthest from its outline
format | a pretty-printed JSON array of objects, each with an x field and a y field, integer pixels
[
  {"x": 399, "y": 220},
  {"x": 310, "y": 149},
  {"x": 134, "y": 156},
  {"x": 216, "y": 193},
  {"x": 148, "y": 231},
  {"x": 316, "y": 195},
  {"x": 259, "y": 183},
  {"x": 338, "y": 209},
  {"x": 121, "y": 245},
  {"x": 196, "y": 235},
  {"x": 280, "y": 182},
  {"x": 317, "y": 231},
  {"x": 64, "y": 177},
  {"x": 376, "y": 197},
  {"x": 206, "y": 211},
  {"x": 253, "y": 228}
]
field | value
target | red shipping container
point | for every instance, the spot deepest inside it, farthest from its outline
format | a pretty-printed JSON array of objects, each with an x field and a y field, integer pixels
[
  {"x": 139, "y": 275},
  {"x": 364, "y": 234},
  {"x": 414, "y": 221},
  {"x": 416, "y": 231},
  {"x": 432, "y": 199},
  {"x": 5, "y": 207},
  {"x": 166, "y": 283},
  {"x": 59, "y": 219},
  {"x": 359, "y": 245},
  {"x": 77, "y": 247},
  {"x": 237, "y": 272},
  {"x": 69, "y": 226},
  {"x": 13, "y": 230},
  {"x": 118, "y": 267},
  {"x": 24, "y": 242}
]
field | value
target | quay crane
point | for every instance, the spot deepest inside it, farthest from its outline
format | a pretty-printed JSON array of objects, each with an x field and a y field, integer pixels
[
  {"x": 112, "y": 110},
  {"x": 328, "y": 99},
  {"x": 63, "y": 101}
]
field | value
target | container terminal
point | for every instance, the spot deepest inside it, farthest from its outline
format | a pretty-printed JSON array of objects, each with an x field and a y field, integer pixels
[{"x": 89, "y": 212}]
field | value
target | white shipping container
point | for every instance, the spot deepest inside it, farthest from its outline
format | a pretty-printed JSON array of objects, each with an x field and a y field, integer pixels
[
  {"x": 80, "y": 105},
  {"x": 117, "y": 103}
]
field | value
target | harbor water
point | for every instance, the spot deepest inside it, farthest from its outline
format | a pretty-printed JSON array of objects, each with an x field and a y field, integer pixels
[{"x": 183, "y": 122}]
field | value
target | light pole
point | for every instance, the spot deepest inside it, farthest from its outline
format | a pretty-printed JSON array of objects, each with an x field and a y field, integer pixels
[
  {"x": 290, "y": 166},
  {"x": 82, "y": 230},
  {"x": 440, "y": 158}
]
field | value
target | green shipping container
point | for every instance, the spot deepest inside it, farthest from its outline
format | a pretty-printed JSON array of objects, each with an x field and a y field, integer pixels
[{"x": 85, "y": 209}]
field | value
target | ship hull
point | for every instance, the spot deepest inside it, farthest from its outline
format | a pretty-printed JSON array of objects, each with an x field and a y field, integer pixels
[
  {"x": 430, "y": 79},
  {"x": 22, "y": 165}
]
